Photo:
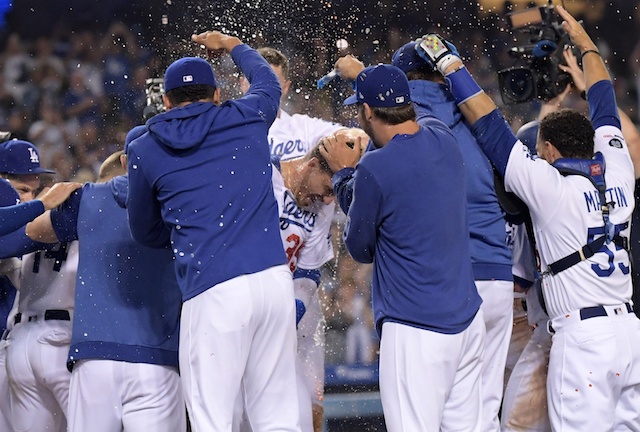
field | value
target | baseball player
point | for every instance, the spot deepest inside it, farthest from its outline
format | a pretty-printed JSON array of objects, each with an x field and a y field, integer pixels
[
  {"x": 407, "y": 215},
  {"x": 200, "y": 179},
  {"x": 490, "y": 254},
  {"x": 38, "y": 342},
  {"x": 9, "y": 277},
  {"x": 123, "y": 355},
  {"x": 303, "y": 190},
  {"x": 593, "y": 379},
  {"x": 293, "y": 136}
]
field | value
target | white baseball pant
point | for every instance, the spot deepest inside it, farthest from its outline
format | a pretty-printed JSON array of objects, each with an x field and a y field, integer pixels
[
  {"x": 594, "y": 372},
  {"x": 497, "y": 309},
  {"x": 431, "y": 381},
  {"x": 37, "y": 373},
  {"x": 241, "y": 334},
  {"x": 112, "y": 396}
]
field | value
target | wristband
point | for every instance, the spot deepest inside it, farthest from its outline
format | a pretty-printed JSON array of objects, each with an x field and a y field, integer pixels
[
  {"x": 590, "y": 51},
  {"x": 462, "y": 85}
]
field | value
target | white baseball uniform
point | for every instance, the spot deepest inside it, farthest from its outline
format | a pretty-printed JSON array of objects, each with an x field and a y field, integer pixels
[
  {"x": 292, "y": 136},
  {"x": 38, "y": 344},
  {"x": 594, "y": 369},
  {"x": 306, "y": 237}
]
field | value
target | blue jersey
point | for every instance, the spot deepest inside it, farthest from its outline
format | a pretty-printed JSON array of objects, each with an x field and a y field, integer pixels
[
  {"x": 490, "y": 254},
  {"x": 408, "y": 216},
  {"x": 201, "y": 177},
  {"x": 127, "y": 301}
]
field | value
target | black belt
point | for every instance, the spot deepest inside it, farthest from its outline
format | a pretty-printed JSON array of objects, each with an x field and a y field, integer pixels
[
  {"x": 594, "y": 311},
  {"x": 51, "y": 314}
]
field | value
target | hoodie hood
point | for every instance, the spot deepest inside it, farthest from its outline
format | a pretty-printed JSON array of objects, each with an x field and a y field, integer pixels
[
  {"x": 434, "y": 99},
  {"x": 185, "y": 127},
  {"x": 120, "y": 189}
]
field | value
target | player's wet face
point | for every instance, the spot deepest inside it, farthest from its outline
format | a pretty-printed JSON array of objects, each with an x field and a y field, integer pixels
[
  {"x": 26, "y": 185},
  {"x": 315, "y": 186}
]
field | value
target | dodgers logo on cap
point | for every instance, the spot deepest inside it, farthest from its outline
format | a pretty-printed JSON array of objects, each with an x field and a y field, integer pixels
[
  {"x": 188, "y": 71},
  {"x": 383, "y": 86},
  {"x": 20, "y": 157}
]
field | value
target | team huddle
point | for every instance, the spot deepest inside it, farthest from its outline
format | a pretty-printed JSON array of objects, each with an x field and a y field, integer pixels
[{"x": 181, "y": 289}]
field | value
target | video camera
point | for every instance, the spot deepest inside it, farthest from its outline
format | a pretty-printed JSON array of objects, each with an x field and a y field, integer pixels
[
  {"x": 154, "y": 92},
  {"x": 536, "y": 73}
]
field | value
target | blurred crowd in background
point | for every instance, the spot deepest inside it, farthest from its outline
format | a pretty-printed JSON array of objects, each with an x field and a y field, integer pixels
[{"x": 72, "y": 81}]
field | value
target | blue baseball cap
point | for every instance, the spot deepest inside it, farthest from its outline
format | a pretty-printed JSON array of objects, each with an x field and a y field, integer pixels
[
  {"x": 188, "y": 71},
  {"x": 383, "y": 86},
  {"x": 133, "y": 134},
  {"x": 8, "y": 195},
  {"x": 19, "y": 158},
  {"x": 407, "y": 59}
]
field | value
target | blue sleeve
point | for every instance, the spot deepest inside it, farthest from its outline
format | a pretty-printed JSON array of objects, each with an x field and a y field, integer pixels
[
  {"x": 143, "y": 209},
  {"x": 18, "y": 243},
  {"x": 265, "y": 92},
  {"x": 343, "y": 187},
  {"x": 64, "y": 219},
  {"x": 13, "y": 217},
  {"x": 363, "y": 217},
  {"x": 313, "y": 275},
  {"x": 602, "y": 105},
  {"x": 496, "y": 139}
]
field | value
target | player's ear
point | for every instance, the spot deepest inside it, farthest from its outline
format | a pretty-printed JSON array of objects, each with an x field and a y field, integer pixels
[
  {"x": 216, "y": 96},
  {"x": 123, "y": 162},
  {"x": 368, "y": 112},
  {"x": 285, "y": 87},
  {"x": 167, "y": 103}
]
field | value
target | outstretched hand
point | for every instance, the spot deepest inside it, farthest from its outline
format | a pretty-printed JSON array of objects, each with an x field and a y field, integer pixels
[
  {"x": 216, "y": 41},
  {"x": 349, "y": 67},
  {"x": 573, "y": 69},
  {"x": 576, "y": 32}
]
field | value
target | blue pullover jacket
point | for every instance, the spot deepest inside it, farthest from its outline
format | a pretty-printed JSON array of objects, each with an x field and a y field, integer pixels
[
  {"x": 201, "y": 177},
  {"x": 490, "y": 254},
  {"x": 127, "y": 300}
]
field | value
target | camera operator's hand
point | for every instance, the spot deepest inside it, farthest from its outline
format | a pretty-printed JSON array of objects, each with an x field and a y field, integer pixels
[
  {"x": 439, "y": 52},
  {"x": 215, "y": 41},
  {"x": 349, "y": 67},
  {"x": 573, "y": 69}
]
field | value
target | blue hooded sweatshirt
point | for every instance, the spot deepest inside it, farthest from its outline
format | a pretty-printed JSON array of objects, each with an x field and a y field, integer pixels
[
  {"x": 127, "y": 300},
  {"x": 490, "y": 254},
  {"x": 201, "y": 178}
]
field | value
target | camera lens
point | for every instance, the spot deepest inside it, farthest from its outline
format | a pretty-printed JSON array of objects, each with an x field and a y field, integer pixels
[{"x": 517, "y": 85}]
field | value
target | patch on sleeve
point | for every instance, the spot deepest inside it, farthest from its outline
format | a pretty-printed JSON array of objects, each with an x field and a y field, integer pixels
[{"x": 615, "y": 142}]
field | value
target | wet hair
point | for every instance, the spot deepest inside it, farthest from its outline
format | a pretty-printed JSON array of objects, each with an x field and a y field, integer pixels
[
  {"x": 275, "y": 58},
  {"x": 191, "y": 93},
  {"x": 322, "y": 162},
  {"x": 393, "y": 115},
  {"x": 570, "y": 132}
]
